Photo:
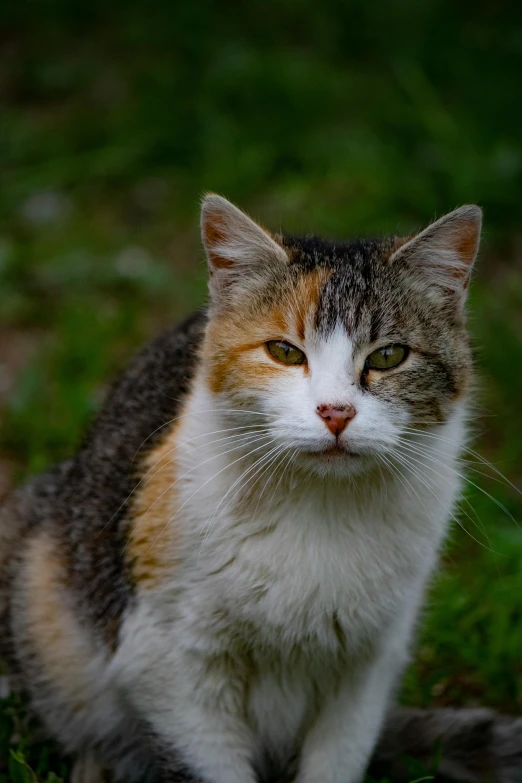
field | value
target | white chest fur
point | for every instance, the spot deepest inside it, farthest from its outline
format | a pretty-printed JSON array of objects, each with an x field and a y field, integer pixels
[
  {"x": 286, "y": 594},
  {"x": 309, "y": 550}
]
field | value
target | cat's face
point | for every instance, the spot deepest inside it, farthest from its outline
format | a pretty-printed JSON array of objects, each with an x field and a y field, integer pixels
[{"x": 338, "y": 349}]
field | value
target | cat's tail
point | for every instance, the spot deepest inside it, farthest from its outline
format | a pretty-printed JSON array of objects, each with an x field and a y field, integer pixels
[{"x": 462, "y": 745}]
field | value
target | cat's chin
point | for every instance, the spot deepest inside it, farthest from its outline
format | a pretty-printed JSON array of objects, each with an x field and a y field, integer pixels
[{"x": 336, "y": 461}]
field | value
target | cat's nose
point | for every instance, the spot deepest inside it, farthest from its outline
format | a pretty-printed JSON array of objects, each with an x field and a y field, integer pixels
[{"x": 336, "y": 417}]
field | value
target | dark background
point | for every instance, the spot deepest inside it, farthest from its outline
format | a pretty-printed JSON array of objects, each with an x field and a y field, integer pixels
[{"x": 331, "y": 117}]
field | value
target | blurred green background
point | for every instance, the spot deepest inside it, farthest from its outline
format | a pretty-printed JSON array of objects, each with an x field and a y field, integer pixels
[{"x": 330, "y": 117}]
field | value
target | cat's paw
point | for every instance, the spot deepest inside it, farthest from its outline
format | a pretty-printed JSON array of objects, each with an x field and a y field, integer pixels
[{"x": 87, "y": 770}]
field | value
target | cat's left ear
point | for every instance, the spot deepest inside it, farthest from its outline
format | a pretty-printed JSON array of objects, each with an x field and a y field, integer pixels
[
  {"x": 445, "y": 251},
  {"x": 237, "y": 248}
]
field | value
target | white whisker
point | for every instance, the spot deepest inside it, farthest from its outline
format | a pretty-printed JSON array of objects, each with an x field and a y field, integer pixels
[
  {"x": 250, "y": 439},
  {"x": 463, "y": 477},
  {"x": 425, "y": 481},
  {"x": 259, "y": 464},
  {"x": 473, "y": 453},
  {"x": 229, "y": 465},
  {"x": 175, "y": 448}
]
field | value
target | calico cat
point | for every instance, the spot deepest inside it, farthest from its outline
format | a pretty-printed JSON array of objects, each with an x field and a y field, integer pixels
[{"x": 223, "y": 584}]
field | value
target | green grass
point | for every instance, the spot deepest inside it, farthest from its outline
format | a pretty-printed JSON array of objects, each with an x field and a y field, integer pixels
[
  {"x": 333, "y": 117},
  {"x": 24, "y": 757}
]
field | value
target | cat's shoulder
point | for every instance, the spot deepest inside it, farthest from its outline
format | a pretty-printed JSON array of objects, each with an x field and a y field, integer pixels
[
  {"x": 151, "y": 389},
  {"x": 81, "y": 506}
]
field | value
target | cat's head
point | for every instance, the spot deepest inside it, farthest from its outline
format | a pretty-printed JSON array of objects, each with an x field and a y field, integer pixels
[{"x": 337, "y": 348}]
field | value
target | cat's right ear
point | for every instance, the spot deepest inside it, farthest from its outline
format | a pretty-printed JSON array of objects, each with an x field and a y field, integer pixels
[
  {"x": 237, "y": 248},
  {"x": 444, "y": 253}
]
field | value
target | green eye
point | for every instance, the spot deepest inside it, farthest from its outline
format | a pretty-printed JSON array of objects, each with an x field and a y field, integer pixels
[
  {"x": 286, "y": 353},
  {"x": 387, "y": 357}
]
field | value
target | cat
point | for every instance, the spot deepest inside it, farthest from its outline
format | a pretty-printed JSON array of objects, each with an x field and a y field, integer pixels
[{"x": 223, "y": 585}]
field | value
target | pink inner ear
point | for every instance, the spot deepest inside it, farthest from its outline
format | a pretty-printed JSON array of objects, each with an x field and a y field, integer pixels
[
  {"x": 214, "y": 235},
  {"x": 466, "y": 240}
]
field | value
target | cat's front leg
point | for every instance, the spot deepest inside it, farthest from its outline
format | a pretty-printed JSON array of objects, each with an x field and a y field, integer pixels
[
  {"x": 339, "y": 746},
  {"x": 195, "y": 706},
  {"x": 216, "y": 744}
]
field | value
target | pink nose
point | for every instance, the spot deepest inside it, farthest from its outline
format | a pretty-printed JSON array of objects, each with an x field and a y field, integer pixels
[{"x": 336, "y": 417}]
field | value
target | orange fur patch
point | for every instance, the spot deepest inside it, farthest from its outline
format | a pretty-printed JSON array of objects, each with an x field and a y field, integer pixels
[
  {"x": 305, "y": 299},
  {"x": 152, "y": 536},
  {"x": 61, "y": 644},
  {"x": 234, "y": 348}
]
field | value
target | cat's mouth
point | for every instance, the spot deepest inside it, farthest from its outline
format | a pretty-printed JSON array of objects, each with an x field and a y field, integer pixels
[{"x": 334, "y": 452}]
